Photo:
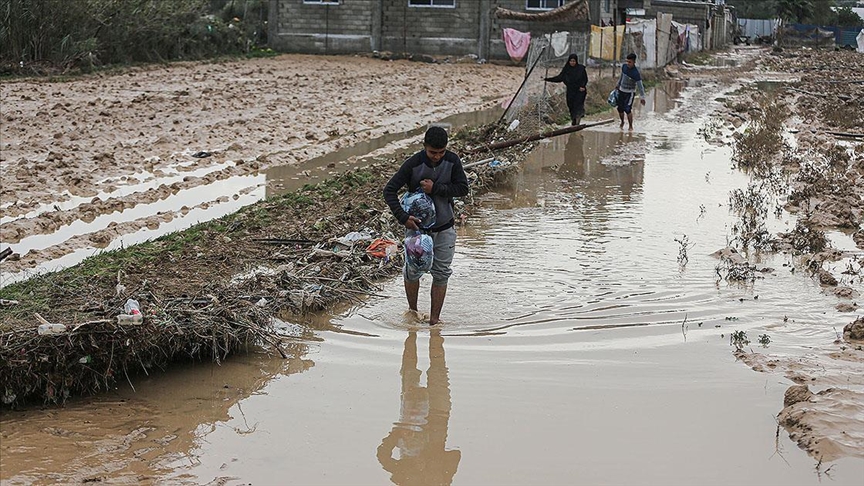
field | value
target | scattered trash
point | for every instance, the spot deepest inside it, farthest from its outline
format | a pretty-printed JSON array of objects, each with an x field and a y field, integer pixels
[
  {"x": 382, "y": 248},
  {"x": 202, "y": 154},
  {"x": 85, "y": 360},
  {"x": 514, "y": 125},
  {"x": 47, "y": 329},
  {"x": 354, "y": 237},
  {"x": 8, "y": 302},
  {"x": 132, "y": 313}
]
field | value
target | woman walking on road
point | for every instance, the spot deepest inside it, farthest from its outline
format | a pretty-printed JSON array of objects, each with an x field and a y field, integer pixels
[{"x": 575, "y": 78}]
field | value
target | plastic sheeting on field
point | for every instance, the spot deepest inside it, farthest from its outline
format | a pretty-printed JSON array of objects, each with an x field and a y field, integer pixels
[
  {"x": 860, "y": 40},
  {"x": 606, "y": 42}
]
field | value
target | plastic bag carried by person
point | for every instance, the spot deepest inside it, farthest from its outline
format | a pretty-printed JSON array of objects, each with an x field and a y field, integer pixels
[
  {"x": 613, "y": 98},
  {"x": 418, "y": 252},
  {"x": 420, "y": 205}
]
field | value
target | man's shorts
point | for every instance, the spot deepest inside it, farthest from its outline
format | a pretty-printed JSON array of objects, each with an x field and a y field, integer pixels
[
  {"x": 625, "y": 101},
  {"x": 444, "y": 247}
]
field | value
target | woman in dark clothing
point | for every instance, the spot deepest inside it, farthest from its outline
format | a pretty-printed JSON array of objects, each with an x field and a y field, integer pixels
[{"x": 575, "y": 78}]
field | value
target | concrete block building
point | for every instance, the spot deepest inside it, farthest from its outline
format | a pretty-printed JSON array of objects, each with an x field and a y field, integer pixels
[
  {"x": 432, "y": 27},
  {"x": 714, "y": 19}
]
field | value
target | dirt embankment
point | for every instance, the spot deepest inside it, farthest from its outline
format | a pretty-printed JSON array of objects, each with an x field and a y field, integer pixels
[
  {"x": 797, "y": 131},
  {"x": 101, "y": 145}
]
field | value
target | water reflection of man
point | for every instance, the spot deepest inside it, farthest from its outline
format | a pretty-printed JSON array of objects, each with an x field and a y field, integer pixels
[{"x": 421, "y": 432}]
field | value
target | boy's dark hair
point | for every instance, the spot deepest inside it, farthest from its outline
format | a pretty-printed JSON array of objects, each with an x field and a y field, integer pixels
[
  {"x": 436, "y": 137},
  {"x": 631, "y": 56}
]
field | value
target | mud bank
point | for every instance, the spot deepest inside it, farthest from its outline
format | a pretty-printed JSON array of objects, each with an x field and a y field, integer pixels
[{"x": 796, "y": 131}]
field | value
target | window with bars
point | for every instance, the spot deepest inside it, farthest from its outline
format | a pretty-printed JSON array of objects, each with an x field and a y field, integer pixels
[
  {"x": 543, "y": 4},
  {"x": 431, "y": 3}
]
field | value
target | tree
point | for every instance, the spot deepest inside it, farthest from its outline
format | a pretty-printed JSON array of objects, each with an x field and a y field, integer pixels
[
  {"x": 796, "y": 11},
  {"x": 846, "y": 17},
  {"x": 753, "y": 9},
  {"x": 822, "y": 13}
]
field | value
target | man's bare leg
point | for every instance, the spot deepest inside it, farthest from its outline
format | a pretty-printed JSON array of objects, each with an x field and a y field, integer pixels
[
  {"x": 411, "y": 290},
  {"x": 438, "y": 294},
  {"x": 629, "y": 121},
  {"x": 621, "y": 116}
]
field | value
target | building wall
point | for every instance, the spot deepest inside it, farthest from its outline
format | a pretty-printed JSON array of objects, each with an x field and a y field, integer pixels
[
  {"x": 323, "y": 29},
  {"x": 391, "y": 25},
  {"x": 430, "y": 30},
  {"x": 685, "y": 12}
]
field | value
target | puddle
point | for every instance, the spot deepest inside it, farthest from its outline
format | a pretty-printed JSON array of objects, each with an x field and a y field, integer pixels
[
  {"x": 286, "y": 179},
  {"x": 573, "y": 339}
]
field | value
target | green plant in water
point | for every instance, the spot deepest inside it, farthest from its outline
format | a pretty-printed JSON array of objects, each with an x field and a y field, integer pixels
[
  {"x": 764, "y": 340},
  {"x": 739, "y": 340}
]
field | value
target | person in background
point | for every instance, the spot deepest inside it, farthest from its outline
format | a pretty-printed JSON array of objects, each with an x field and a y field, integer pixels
[
  {"x": 628, "y": 82},
  {"x": 439, "y": 173},
  {"x": 575, "y": 78}
]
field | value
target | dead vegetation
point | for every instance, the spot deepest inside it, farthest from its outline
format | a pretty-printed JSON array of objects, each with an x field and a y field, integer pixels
[{"x": 821, "y": 179}]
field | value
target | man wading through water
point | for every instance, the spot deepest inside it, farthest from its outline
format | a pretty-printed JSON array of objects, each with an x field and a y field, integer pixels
[
  {"x": 628, "y": 82},
  {"x": 439, "y": 173}
]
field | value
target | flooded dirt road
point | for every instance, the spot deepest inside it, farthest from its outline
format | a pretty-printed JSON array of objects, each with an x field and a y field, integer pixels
[{"x": 577, "y": 348}]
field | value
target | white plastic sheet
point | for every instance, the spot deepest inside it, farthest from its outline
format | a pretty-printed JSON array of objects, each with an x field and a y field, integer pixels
[{"x": 642, "y": 40}]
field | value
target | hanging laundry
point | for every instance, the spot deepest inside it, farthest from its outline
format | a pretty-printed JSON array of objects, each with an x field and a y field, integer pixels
[
  {"x": 559, "y": 43},
  {"x": 517, "y": 43}
]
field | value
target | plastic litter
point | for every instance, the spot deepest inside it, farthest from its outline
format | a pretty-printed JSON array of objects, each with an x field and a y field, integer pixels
[
  {"x": 46, "y": 329},
  {"x": 382, "y": 248},
  {"x": 132, "y": 314},
  {"x": 613, "y": 98},
  {"x": 354, "y": 237}
]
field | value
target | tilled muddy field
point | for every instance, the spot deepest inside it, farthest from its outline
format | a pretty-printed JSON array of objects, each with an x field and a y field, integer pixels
[{"x": 90, "y": 160}]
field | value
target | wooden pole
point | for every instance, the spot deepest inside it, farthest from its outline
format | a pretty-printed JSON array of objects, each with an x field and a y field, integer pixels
[{"x": 536, "y": 136}]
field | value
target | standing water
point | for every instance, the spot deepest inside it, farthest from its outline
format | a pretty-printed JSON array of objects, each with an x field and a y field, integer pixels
[{"x": 578, "y": 347}]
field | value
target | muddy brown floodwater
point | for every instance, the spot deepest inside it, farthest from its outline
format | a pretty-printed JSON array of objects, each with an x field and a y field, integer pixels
[{"x": 576, "y": 348}]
